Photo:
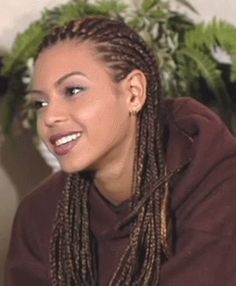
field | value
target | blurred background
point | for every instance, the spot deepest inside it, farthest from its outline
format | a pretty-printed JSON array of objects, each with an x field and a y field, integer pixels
[{"x": 21, "y": 165}]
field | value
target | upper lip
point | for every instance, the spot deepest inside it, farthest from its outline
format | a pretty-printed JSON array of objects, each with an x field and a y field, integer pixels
[{"x": 58, "y": 136}]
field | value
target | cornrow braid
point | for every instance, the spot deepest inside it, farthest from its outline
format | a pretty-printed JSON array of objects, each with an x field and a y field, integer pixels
[{"x": 71, "y": 251}]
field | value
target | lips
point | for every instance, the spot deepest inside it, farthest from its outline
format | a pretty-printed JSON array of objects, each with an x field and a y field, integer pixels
[{"x": 63, "y": 143}]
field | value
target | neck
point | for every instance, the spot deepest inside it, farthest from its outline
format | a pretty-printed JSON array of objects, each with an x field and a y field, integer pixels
[
  {"x": 114, "y": 181},
  {"x": 116, "y": 187}
]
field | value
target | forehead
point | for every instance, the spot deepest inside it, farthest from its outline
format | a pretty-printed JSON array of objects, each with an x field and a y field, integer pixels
[
  {"x": 67, "y": 51},
  {"x": 67, "y": 56}
]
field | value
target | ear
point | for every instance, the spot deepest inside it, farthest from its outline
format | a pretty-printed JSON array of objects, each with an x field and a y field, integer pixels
[{"x": 136, "y": 84}]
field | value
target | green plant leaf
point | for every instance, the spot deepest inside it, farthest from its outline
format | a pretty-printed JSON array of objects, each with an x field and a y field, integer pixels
[
  {"x": 148, "y": 4},
  {"x": 207, "y": 68},
  {"x": 25, "y": 46}
]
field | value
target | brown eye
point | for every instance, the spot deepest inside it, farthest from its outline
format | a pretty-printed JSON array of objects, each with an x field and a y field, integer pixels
[
  {"x": 73, "y": 91},
  {"x": 36, "y": 105}
]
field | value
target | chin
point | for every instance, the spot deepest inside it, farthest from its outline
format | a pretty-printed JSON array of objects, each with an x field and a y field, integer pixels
[{"x": 71, "y": 168}]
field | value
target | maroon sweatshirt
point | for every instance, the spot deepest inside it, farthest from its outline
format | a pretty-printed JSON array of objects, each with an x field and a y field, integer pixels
[{"x": 203, "y": 207}]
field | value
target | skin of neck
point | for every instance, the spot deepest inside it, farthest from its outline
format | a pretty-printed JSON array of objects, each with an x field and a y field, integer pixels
[{"x": 114, "y": 181}]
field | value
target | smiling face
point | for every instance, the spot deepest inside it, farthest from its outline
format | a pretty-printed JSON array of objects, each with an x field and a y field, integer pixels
[{"x": 82, "y": 115}]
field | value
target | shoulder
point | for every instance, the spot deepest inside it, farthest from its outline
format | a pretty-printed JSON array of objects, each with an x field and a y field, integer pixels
[
  {"x": 207, "y": 184},
  {"x": 198, "y": 133},
  {"x": 183, "y": 105},
  {"x": 196, "y": 129},
  {"x": 27, "y": 258},
  {"x": 189, "y": 113},
  {"x": 36, "y": 212},
  {"x": 45, "y": 195}
]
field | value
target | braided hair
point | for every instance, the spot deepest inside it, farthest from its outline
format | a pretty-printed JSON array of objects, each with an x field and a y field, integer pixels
[{"x": 71, "y": 250}]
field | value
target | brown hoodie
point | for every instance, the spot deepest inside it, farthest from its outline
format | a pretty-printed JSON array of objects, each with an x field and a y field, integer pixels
[{"x": 203, "y": 208}]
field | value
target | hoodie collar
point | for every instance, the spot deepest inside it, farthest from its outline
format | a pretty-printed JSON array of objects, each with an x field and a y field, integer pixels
[{"x": 105, "y": 217}]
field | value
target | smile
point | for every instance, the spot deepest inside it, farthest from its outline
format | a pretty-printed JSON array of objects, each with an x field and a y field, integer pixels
[
  {"x": 67, "y": 139},
  {"x": 63, "y": 144}
]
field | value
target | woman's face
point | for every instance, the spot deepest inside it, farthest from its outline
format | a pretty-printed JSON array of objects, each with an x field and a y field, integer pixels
[{"x": 82, "y": 115}]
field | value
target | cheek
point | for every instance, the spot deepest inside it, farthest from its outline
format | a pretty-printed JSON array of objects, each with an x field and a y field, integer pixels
[
  {"x": 96, "y": 113},
  {"x": 40, "y": 128},
  {"x": 103, "y": 114},
  {"x": 109, "y": 125}
]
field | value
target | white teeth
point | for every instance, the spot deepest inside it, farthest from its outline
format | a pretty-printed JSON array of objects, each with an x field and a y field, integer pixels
[{"x": 67, "y": 139}]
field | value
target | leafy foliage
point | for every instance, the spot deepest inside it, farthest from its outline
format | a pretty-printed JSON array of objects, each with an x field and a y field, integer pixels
[
  {"x": 185, "y": 50},
  {"x": 199, "y": 46}
]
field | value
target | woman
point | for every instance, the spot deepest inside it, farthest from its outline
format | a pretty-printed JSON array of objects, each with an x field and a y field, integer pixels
[{"x": 146, "y": 196}]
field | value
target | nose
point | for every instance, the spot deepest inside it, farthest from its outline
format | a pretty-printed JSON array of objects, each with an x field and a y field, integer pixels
[{"x": 55, "y": 113}]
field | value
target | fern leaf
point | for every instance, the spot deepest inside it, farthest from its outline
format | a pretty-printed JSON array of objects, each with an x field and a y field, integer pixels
[
  {"x": 225, "y": 34},
  {"x": 24, "y": 48},
  {"x": 199, "y": 37},
  {"x": 111, "y": 7},
  {"x": 148, "y": 4},
  {"x": 208, "y": 70}
]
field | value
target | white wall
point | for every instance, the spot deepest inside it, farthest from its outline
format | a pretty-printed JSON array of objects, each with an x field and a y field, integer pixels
[
  {"x": 225, "y": 9},
  {"x": 15, "y": 16}
]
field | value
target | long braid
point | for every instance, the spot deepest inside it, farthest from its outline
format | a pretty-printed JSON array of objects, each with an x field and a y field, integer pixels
[{"x": 72, "y": 259}]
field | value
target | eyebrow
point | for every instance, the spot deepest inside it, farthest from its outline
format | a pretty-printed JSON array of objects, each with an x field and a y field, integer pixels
[
  {"x": 60, "y": 80},
  {"x": 32, "y": 91},
  {"x": 64, "y": 77}
]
